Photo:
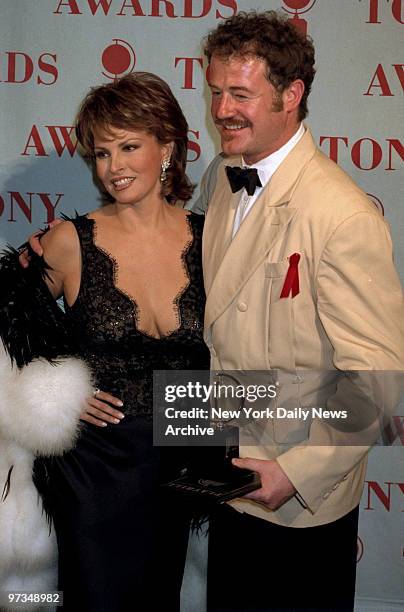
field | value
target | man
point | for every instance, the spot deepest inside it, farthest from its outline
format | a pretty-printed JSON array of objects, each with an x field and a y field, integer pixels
[{"x": 299, "y": 277}]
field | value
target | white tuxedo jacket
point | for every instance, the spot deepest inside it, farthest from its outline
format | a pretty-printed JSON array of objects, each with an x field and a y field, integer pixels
[{"x": 348, "y": 315}]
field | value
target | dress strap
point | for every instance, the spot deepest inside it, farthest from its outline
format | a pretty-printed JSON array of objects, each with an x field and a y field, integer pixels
[
  {"x": 85, "y": 230},
  {"x": 196, "y": 222}
]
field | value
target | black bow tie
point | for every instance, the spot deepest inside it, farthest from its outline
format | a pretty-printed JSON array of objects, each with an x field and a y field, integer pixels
[{"x": 243, "y": 177}]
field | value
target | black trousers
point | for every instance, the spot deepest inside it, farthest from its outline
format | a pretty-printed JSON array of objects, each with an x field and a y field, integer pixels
[{"x": 257, "y": 566}]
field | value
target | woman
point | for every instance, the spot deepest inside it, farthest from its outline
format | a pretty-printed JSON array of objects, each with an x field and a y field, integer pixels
[{"x": 130, "y": 274}]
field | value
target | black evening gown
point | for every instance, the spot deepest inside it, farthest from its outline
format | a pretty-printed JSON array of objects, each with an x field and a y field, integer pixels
[{"x": 122, "y": 546}]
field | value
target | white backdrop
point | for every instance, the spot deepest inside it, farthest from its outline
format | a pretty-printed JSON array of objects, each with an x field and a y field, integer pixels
[{"x": 52, "y": 51}]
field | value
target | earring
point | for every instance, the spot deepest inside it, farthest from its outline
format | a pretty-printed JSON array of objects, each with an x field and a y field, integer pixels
[{"x": 164, "y": 165}]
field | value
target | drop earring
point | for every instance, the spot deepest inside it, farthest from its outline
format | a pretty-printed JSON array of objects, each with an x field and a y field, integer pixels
[{"x": 164, "y": 165}]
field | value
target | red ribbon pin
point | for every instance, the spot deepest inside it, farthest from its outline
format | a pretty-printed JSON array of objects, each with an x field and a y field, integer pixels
[{"x": 291, "y": 284}]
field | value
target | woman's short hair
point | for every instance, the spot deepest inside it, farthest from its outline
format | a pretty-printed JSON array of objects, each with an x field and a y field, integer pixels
[
  {"x": 140, "y": 101},
  {"x": 288, "y": 53}
]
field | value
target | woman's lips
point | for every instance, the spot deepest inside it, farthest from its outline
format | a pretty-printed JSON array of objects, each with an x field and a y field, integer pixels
[{"x": 122, "y": 183}]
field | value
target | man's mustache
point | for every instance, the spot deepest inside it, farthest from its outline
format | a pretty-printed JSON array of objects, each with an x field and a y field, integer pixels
[{"x": 233, "y": 122}]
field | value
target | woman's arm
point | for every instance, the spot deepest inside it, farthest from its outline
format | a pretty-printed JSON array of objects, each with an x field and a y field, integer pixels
[{"x": 61, "y": 251}]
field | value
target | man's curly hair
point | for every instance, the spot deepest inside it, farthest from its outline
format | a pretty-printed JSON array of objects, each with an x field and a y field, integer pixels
[{"x": 289, "y": 54}]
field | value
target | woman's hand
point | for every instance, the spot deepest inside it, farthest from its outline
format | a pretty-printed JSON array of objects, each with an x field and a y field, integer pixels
[
  {"x": 35, "y": 244},
  {"x": 98, "y": 410}
]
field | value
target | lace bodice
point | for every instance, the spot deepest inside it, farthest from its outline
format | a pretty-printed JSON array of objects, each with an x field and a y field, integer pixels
[{"x": 103, "y": 324}]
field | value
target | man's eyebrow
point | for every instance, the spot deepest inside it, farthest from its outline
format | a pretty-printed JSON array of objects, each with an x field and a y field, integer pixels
[
  {"x": 239, "y": 88},
  {"x": 234, "y": 88}
]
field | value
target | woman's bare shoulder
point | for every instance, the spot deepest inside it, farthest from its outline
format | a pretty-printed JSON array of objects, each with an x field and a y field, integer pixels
[
  {"x": 62, "y": 235},
  {"x": 60, "y": 244}
]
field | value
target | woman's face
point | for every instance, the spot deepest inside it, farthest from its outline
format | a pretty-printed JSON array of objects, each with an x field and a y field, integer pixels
[{"x": 128, "y": 163}]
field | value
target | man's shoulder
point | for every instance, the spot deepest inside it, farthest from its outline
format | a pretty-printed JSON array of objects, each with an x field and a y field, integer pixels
[{"x": 330, "y": 188}]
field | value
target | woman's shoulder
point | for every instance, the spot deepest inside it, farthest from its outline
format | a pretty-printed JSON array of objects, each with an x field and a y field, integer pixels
[
  {"x": 62, "y": 243},
  {"x": 60, "y": 238},
  {"x": 64, "y": 236}
]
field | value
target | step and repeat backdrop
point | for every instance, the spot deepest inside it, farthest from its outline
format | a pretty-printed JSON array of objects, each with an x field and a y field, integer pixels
[{"x": 53, "y": 51}]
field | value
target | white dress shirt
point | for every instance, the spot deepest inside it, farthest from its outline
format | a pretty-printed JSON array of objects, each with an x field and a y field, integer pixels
[{"x": 265, "y": 168}]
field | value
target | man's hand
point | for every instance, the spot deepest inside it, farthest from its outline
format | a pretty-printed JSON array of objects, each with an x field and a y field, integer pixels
[
  {"x": 98, "y": 410},
  {"x": 35, "y": 244},
  {"x": 276, "y": 487}
]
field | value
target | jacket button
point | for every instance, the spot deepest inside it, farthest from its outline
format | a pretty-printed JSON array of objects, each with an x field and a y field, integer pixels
[
  {"x": 327, "y": 495},
  {"x": 335, "y": 486},
  {"x": 242, "y": 306}
]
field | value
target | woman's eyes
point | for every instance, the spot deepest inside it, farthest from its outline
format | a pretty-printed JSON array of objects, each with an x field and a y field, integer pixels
[{"x": 128, "y": 148}]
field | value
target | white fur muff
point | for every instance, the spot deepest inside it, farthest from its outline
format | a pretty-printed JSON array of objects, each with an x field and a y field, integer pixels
[{"x": 40, "y": 406}]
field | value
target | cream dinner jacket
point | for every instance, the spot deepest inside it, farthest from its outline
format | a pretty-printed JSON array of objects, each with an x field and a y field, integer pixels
[{"x": 348, "y": 315}]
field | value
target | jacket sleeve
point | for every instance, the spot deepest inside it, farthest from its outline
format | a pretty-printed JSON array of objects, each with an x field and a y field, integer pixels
[{"x": 360, "y": 304}]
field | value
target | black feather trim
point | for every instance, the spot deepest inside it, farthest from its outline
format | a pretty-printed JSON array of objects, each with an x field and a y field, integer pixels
[
  {"x": 31, "y": 322},
  {"x": 32, "y": 325},
  {"x": 6, "y": 488},
  {"x": 41, "y": 480}
]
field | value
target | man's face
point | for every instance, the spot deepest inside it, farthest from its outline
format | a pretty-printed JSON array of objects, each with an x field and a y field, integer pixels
[{"x": 246, "y": 108}]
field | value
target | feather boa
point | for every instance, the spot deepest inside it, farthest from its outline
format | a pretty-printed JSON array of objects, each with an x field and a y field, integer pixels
[
  {"x": 31, "y": 322},
  {"x": 42, "y": 396}
]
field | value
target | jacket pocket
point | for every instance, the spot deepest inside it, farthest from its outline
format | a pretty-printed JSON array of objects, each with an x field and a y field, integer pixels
[{"x": 280, "y": 327}]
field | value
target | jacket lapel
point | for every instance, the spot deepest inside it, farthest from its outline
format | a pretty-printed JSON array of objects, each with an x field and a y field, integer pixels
[
  {"x": 217, "y": 232},
  {"x": 244, "y": 255},
  {"x": 227, "y": 263}
]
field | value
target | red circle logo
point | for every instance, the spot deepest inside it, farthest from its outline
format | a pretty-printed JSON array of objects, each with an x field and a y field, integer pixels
[
  {"x": 298, "y": 5},
  {"x": 118, "y": 59}
]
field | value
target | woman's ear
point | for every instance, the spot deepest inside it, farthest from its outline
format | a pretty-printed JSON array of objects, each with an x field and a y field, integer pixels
[{"x": 167, "y": 150}]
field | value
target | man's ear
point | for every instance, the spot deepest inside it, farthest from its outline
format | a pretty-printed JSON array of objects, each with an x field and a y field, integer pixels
[{"x": 292, "y": 95}]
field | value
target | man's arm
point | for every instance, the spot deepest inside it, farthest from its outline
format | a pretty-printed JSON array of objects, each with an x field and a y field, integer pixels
[
  {"x": 360, "y": 304},
  {"x": 361, "y": 307}
]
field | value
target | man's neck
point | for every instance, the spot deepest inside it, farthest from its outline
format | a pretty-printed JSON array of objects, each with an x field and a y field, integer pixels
[{"x": 281, "y": 151}]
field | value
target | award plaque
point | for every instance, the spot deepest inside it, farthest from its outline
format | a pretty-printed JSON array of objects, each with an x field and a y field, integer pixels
[
  {"x": 206, "y": 473},
  {"x": 209, "y": 474}
]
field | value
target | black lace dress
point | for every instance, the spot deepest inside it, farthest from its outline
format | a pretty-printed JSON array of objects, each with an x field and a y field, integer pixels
[{"x": 121, "y": 545}]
